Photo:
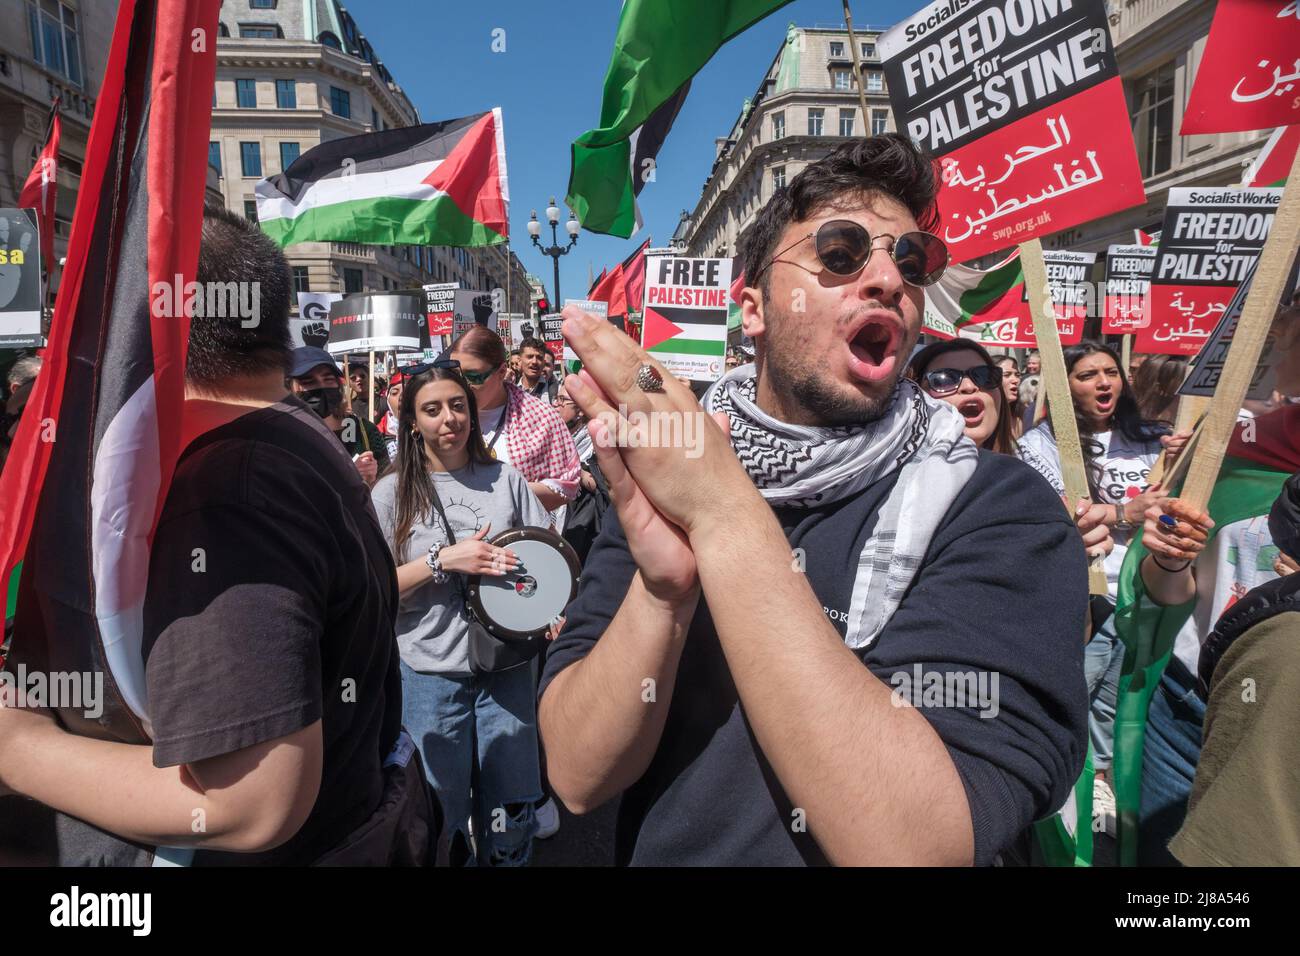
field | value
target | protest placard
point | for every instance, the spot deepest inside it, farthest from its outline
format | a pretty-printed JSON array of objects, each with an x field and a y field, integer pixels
[
  {"x": 439, "y": 299},
  {"x": 20, "y": 280},
  {"x": 377, "y": 321},
  {"x": 594, "y": 307},
  {"x": 684, "y": 325},
  {"x": 1249, "y": 74},
  {"x": 1024, "y": 106},
  {"x": 470, "y": 308},
  {"x": 1209, "y": 241},
  {"x": 551, "y": 334},
  {"x": 1128, "y": 280},
  {"x": 312, "y": 326}
]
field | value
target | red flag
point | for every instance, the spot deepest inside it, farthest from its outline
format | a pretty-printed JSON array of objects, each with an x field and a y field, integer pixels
[
  {"x": 80, "y": 511},
  {"x": 633, "y": 280},
  {"x": 42, "y": 187},
  {"x": 609, "y": 289}
]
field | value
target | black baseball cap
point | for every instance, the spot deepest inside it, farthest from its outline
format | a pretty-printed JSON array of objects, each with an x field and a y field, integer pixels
[{"x": 308, "y": 357}]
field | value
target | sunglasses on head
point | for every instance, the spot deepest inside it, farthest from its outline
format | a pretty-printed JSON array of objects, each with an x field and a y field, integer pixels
[
  {"x": 843, "y": 247},
  {"x": 442, "y": 361},
  {"x": 945, "y": 381}
]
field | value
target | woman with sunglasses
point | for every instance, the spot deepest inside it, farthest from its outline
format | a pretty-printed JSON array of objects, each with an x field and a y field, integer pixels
[
  {"x": 518, "y": 428},
  {"x": 476, "y": 732}
]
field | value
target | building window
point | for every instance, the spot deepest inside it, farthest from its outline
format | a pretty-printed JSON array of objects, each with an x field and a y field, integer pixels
[
  {"x": 875, "y": 83},
  {"x": 330, "y": 40},
  {"x": 55, "y": 41},
  {"x": 837, "y": 49},
  {"x": 841, "y": 79},
  {"x": 250, "y": 210},
  {"x": 1152, "y": 108},
  {"x": 374, "y": 118},
  {"x": 246, "y": 94},
  {"x": 214, "y": 155},
  {"x": 778, "y": 125},
  {"x": 223, "y": 30},
  {"x": 815, "y": 121},
  {"x": 286, "y": 94},
  {"x": 869, "y": 49},
  {"x": 341, "y": 102},
  {"x": 879, "y": 121},
  {"x": 353, "y": 280},
  {"x": 301, "y": 279},
  {"x": 846, "y": 122},
  {"x": 250, "y": 159},
  {"x": 259, "y": 31},
  {"x": 288, "y": 153},
  {"x": 261, "y": 4},
  {"x": 778, "y": 178}
]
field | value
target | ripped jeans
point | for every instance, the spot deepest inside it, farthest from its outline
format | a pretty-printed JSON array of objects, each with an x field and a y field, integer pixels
[{"x": 478, "y": 737}]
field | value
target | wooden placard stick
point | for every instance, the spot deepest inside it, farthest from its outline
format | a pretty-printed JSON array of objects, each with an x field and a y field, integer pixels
[
  {"x": 1247, "y": 342},
  {"x": 1126, "y": 353},
  {"x": 1191, "y": 410},
  {"x": 370, "y": 385},
  {"x": 1054, "y": 384}
]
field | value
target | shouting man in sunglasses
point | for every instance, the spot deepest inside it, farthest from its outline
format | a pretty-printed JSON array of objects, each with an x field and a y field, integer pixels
[{"x": 793, "y": 647}]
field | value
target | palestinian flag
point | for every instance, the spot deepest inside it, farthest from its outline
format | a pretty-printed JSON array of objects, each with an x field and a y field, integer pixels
[
  {"x": 595, "y": 283},
  {"x": 671, "y": 330},
  {"x": 660, "y": 45},
  {"x": 41, "y": 190},
  {"x": 967, "y": 296},
  {"x": 94, "y": 455},
  {"x": 439, "y": 184},
  {"x": 1273, "y": 164},
  {"x": 1141, "y": 238},
  {"x": 1263, "y": 453}
]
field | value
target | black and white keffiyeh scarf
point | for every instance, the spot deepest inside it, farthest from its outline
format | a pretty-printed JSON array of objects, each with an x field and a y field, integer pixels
[{"x": 800, "y": 465}]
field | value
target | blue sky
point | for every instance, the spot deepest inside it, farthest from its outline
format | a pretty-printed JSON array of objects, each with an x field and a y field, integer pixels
[{"x": 548, "y": 83}]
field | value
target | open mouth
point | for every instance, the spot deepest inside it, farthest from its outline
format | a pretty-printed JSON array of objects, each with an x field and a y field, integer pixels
[
  {"x": 873, "y": 347},
  {"x": 1104, "y": 402},
  {"x": 972, "y": 410}
]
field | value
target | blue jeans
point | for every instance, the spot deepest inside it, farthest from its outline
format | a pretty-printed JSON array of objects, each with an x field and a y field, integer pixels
[
  {"x": 478, "y": 737},
  {"x": 1103, "y": 658},
  {"x": 1169, "y": 757}
]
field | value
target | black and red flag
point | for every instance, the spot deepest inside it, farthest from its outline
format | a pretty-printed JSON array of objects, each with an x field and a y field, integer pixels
[
  {"x": 94, "y": 455},
  {"x": 42, "y": 187}
]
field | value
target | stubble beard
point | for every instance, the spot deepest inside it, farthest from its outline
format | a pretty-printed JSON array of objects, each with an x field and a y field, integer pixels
[{"x": 828, "y": 404}]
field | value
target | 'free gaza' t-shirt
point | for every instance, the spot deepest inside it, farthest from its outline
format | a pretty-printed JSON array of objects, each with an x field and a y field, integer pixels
[
  {"x": 1002, "y": 589},
  {"x": 1122, "y": 467},
  {"x": 290, "y": 620}
]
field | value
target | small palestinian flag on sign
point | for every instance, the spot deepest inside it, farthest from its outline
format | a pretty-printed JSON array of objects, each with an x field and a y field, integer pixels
[
  {"x": 967, "y": 296},
  {"x": 439, "y": 184}
]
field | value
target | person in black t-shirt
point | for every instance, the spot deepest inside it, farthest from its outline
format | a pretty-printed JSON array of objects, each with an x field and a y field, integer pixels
[
  {"x": 271, "y": 666},
  {"x": 796, "y": 649}
]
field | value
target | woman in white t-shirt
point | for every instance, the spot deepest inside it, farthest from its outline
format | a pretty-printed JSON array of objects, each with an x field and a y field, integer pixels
[{"x": 1119, "y": 448}]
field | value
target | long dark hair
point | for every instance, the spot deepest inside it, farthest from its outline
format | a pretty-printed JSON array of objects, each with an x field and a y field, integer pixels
[
  {"x": 1126, "y": 418},
  {"x": 415, "y": 493},
  {"x": 1003, "y": 439},
  {"x": 1156, "y": 384}
]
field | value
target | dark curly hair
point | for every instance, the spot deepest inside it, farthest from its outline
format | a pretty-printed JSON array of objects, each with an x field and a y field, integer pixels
[{"x": 889, "y": 165}]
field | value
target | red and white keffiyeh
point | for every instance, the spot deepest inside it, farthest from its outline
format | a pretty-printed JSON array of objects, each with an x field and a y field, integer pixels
[{"x": 541, "y": 447}]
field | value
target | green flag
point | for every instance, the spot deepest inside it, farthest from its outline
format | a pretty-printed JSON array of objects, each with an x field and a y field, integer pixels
[{"x": 659, "y": 46}]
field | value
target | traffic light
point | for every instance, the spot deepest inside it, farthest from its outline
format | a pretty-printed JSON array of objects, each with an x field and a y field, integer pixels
[{"x": 543, "y": 306}]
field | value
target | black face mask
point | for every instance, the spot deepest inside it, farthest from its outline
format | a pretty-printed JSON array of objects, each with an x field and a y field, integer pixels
[{"x": 323, "y": 401}]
